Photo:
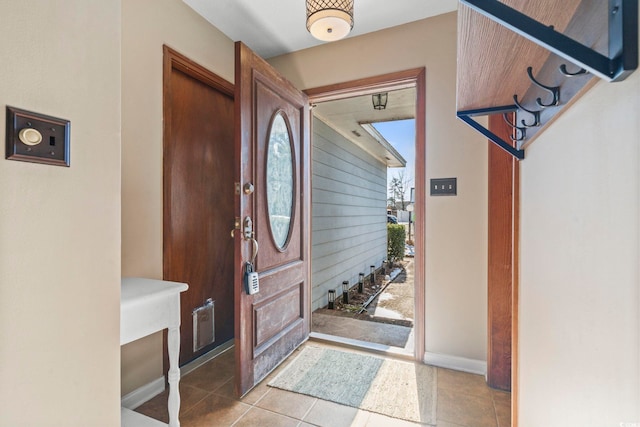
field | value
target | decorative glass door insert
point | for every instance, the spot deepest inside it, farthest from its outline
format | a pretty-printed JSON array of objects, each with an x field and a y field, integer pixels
[{"x": 279, "y": 180}]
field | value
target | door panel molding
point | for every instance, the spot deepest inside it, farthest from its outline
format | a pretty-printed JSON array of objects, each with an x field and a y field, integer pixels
[{"x": 285, "y": 308}]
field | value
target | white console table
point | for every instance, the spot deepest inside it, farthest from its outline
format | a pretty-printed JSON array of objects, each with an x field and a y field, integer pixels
[{"x": 148, "y": 306}]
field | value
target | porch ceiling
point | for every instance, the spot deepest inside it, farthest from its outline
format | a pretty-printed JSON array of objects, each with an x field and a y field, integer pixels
[{"x": 347, "y": 116}]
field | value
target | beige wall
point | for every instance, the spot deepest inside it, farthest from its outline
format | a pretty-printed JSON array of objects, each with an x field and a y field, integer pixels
[
  {"x": 579, "y": 297},
  {"x": 60, "y": 228},
  {"x": 456, "y": 237},
  {"x": 146, "y": 26}
]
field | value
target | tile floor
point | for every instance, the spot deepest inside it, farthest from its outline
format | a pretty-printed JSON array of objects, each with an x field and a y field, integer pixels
[{"x": 464, "y": 400}]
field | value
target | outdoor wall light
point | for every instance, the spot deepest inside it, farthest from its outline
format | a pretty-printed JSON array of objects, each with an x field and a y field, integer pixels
[
  {"x": 380, "y": 100},
  {"x": 332, "y": 299},
  {"x": 329, "y": 20},
  {"x": 345, "y": 292},
  {"x": 372, "y": 275},
  {"x": 361, "y": 283}
]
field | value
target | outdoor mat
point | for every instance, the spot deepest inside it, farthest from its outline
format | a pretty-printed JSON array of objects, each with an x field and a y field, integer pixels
[{"x": 394, "y": 388}]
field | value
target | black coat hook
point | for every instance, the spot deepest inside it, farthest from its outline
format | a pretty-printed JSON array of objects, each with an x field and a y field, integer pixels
[
  {"x": 563, "y": 70},
  {"x": 521, "y": 136},
  {"x": 554, "y": 90},
  {"x": 536, "y": 114}
]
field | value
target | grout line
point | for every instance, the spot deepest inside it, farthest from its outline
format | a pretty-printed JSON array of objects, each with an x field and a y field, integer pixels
[
  {"x": 221, "y": 386},
  {"x": 196, "y": 403},
  {"x": 309, "y": 410},
  {"x": 240, "y": 417},
  {"x": 267, "y": 410},
  {"x": 262, "y": 397},
  {"x": 495, "y": 411}
]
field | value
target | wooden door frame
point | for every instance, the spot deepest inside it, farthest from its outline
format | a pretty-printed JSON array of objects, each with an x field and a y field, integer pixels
[
  {"x": 503, "y": 262},
  {"x": 413, "y": 78}
]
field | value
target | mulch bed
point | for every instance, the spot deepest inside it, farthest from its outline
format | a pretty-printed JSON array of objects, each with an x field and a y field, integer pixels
[{"x": 357, "y": 300}]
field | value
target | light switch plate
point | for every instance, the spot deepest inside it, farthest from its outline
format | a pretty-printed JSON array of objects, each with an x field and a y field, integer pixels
[
  {"x": 444, "y": 186},
  {"x": 53, "y": 149}
]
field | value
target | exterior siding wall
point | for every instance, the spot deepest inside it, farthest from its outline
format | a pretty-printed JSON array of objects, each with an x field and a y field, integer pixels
[{"x": 349, "y": 223}]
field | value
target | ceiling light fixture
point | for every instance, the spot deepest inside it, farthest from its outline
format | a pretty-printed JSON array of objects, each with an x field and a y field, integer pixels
[
  {"x": 380, "y": 100},
  {"x": 329, "y": 20}
]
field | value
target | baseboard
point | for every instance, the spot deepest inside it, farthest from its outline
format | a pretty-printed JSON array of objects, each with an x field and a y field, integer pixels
[
  {"x": 196, "y": 363},
  {"x": 140, "y": 395},
  {"x": 463, "y": 364}
]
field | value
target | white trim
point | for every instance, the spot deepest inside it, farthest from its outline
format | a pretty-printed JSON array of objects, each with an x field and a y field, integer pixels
[
  {"x": 140, "y": 395},
  {"x": 463, "y": 364},
  {"x": 382, "y": 349}
]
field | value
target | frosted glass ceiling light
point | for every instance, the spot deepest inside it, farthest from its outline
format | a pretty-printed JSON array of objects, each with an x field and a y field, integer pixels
[{"x": 329, "y": 20}]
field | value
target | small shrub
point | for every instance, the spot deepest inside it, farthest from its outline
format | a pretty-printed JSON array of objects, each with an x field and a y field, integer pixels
[{"x": 396, "y": 235}]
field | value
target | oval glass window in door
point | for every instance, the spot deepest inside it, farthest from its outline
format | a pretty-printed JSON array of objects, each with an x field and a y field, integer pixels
[{"x": 279, "y": 180}]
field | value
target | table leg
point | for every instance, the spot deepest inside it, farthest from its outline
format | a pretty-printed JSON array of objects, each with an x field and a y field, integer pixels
[{"x": 173, "y": 348}]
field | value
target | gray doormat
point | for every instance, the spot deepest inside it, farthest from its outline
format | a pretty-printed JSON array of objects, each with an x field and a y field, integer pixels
[{"x": 403, "y": 390}]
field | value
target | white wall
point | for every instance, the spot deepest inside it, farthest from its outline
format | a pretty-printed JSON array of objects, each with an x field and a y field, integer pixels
[
  {"x": 349, "y": 222},
  {"x": 456, "y": 227},
  {"x": 579, "y": 256},
  {"x": 60, "y": 228},
  {"x": 146, "y": 26}
]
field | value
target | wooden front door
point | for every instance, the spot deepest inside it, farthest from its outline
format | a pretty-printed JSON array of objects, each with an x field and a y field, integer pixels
[
  {"x": 272, "y": 160},
  {"x": 198, "y": 196}
]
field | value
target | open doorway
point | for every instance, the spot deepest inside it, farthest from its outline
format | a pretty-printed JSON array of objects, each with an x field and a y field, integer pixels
[{"x": 354, "y": 160}]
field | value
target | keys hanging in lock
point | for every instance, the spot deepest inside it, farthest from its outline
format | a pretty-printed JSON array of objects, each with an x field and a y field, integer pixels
[{"x": 251, "y": 282}]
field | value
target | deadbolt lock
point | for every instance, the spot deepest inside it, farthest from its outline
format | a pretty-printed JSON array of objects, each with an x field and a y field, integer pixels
[
  {"x": 248, "y": 188},
  {"x": 247, "y": 232},
  {"x": 236, "y": 226}
]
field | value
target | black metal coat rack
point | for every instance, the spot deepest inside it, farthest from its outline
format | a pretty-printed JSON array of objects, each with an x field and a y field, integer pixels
[{"x": 621, "y": 62}]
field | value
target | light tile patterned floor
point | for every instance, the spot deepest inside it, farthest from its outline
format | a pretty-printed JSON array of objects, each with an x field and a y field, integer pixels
[{"x": 464, "y": 400}]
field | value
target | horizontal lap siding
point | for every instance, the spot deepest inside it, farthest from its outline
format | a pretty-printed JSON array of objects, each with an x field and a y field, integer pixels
[{"x": 349, "y": 223}]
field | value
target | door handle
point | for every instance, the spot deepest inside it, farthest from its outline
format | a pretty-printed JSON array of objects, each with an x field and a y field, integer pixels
[
  {"x": 255, "y": 250},
  {"x": 248, "y": 234}
]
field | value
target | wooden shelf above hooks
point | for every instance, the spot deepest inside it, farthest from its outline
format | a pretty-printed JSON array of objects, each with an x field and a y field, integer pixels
[{"x": 533, "y": 58}]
